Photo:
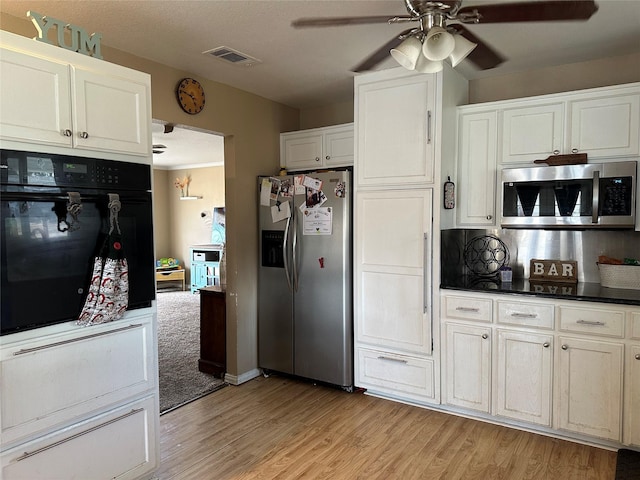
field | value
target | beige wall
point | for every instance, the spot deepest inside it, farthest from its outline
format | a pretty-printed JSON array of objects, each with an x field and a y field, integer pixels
[
  {"x": 184, "y": 223},
  {"x": 563, "y": 78},
  {"x": 328, "y": 115},
  {"x": 251, "y": 126},
  {"x": 161, "y": 215}
]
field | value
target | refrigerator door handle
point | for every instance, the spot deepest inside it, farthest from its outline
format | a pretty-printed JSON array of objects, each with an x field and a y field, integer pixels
[
  {"x": 294, "y": 250},
  {"x": 285, "y": 255}
]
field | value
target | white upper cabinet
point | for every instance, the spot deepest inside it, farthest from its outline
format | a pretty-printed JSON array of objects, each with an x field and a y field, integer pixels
[
  {"x": 531, "y": 133},
  {"x": 477, "y": 169},
  {"x": 396, "y": 122},
  {"x": 603, "y": 123},
  {"x": 317, "y": 148},
  {"x": 35, "y": 96},
  {"x": 49, "y": 102},
  {"x": 109, "y": 113}
]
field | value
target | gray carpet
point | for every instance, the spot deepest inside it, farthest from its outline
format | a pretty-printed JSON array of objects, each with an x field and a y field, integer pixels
[{"x": 179, "y": 349}]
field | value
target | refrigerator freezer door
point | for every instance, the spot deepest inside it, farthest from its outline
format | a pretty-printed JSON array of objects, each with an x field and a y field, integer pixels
[
  {"x": 323, "y": 313},
  {"x": 275, "y": 299}
]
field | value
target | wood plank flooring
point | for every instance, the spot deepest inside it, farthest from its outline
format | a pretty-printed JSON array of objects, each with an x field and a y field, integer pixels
[{"x": 279, "y": 428}]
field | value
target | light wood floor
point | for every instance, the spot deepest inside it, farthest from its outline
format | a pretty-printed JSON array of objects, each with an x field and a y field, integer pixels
[{"x": 278, "y": 428}]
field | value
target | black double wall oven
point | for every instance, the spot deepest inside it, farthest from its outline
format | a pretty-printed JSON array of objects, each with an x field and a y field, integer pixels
[{"x": 47, "y": 251}]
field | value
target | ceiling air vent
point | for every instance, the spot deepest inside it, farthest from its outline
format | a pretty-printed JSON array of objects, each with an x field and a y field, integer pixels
[{"x": 232, "y": 56}]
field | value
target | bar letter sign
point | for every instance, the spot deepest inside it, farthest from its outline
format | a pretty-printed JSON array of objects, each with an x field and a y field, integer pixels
[
  {"x": 78, "y": 40},
  {"x": 563, "y": 271}
]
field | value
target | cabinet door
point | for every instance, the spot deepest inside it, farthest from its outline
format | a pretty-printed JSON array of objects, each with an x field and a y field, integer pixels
[
  {"x": 468, "y": 366},
  {"x": 523, "y": 377},
  {"x": 607, "y": 126},
  {"x": 392, "y": 374},
  {"x": 36, "y": 100},
  {"x": 110, "y": 114},
  {"x": 47, "y": 382},
  {"x": 119, "y": 444},
  {"x": 632, "y": 412},
  {"x": 395, "y": 131},
  {"x": 393, "y": 282},
  {"x": 531, "y": 133},
  {"x": 477, "y": 169},
  {"x": 338, "y": 147},
  {"x": 301, "y": 151},
  {"x": 589, "y": 394}
]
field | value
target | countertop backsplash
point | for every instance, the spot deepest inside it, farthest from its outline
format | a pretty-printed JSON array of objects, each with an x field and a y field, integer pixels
[{"x": 523, "y": 245}]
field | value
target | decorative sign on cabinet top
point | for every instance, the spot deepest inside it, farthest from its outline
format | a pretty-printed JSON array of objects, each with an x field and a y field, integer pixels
[{"x": 80, "y": 40}]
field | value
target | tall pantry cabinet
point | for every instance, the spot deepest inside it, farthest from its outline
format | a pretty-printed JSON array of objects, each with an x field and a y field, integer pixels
[
  {"x": 77, "y": 402},
  {"x": 403, "y": 123}
]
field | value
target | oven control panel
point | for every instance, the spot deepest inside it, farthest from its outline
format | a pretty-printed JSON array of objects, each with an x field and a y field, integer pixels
[{"x": 49, "y": 170}]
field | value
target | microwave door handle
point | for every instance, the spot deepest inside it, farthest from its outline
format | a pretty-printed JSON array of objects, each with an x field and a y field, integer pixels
[{"x": 596, "y": 197}]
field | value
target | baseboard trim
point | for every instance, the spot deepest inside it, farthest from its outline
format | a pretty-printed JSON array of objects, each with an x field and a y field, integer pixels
[{"x": 242, "y": 378}]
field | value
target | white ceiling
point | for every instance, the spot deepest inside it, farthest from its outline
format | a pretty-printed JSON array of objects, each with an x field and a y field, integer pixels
[
  {"x": 305, "y": 68},
  {"x": 186, "y": 147}
]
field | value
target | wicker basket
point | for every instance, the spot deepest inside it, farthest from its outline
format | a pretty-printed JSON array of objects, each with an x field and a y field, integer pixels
[{"x": 619, "y": 276}]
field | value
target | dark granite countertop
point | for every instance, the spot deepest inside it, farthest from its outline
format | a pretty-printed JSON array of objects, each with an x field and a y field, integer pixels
[{"x": 591, "y": 292}]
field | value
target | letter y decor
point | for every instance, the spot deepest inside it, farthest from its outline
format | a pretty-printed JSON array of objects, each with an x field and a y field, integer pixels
[{"x": 68, "y": 36}]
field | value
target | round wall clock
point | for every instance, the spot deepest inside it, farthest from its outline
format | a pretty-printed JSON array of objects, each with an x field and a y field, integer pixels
[{"x": 190, "y": 95}]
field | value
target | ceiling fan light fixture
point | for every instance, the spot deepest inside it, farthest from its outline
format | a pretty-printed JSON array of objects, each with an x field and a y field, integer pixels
[
  {"x": 424, "y": 65},
  {"x": 438, "y": 44},
  {"x": 463, "y": 48},
  {"x": 407, "y": 53}
]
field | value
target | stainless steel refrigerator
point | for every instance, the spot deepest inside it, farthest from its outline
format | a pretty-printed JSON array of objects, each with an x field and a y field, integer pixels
[{"x": 305, "y": 309}]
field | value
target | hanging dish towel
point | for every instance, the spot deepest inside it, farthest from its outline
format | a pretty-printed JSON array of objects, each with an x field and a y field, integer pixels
[{"x": 108, "y": 295}]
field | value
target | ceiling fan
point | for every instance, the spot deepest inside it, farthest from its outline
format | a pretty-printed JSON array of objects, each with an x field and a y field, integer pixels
[{"x": 424, "y": 47}]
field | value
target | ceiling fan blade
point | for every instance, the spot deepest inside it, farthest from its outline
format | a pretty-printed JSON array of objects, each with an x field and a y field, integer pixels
[
  {"x": 380, "y": 54},
  {"x": 543, "y": 11},
  {"x": 339, "y": 21},
  {"x": 483, "y": 56}
]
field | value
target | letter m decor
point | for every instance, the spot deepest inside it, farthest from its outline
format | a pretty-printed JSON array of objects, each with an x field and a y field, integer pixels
[{"x": 70, "y": 37}]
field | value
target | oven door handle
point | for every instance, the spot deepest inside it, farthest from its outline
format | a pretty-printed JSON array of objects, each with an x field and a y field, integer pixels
[
  {"x": 596, "y": 197},
  {"x": 64, "y": 197}
]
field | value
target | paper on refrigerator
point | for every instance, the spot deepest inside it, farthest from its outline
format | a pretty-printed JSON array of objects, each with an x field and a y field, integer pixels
[{"x": 317, "y": 221}]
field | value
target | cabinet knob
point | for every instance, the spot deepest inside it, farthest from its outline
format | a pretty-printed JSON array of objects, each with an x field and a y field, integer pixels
[
  {"x": 327, "y": 157},
  {"x": 637, "y": 356},
  {"x": 546, "y": 344},
  {"x": 489, "y": 217},
  {"x": 574, "y": 150},
  {"x": 84, "y": 135},
  {"x": 556, "y": 152},
  {"x": 317, "y": 159},
  {"x": 564, "y": 347},
  {"x": 485, "y": 336},
  {"x": 66, "y": 133}
]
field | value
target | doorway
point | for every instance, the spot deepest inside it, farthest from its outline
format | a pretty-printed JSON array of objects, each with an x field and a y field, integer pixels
[{"x": 189, "y": 179}]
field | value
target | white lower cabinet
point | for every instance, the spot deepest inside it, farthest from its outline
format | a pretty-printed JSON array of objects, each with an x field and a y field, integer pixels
[
  {"x": 632, "y": 411},
  {"x": 80, "y": 402},
  {"x": 468, "y": 366},
  {"x": 393, "y": 373},
  {"x": 524, "y": 376},
  {"x": 51, "y": 380},
  {"x": 589, "y": 397},
  {"x": 117, "y": 444},
  {"x": 564, "y": 367}
]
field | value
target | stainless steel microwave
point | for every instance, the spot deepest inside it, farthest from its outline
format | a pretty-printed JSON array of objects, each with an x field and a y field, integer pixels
[{"x": 593, "y": 195}]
